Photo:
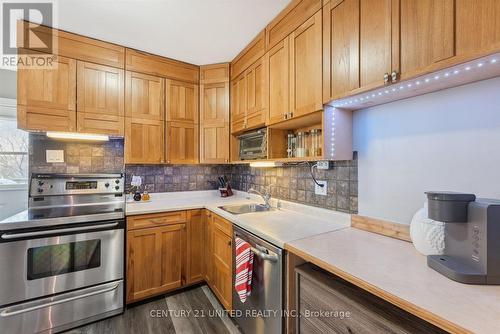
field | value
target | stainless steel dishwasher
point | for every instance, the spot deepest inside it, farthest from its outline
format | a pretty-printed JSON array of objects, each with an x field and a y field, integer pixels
[{"x": 262, "y": 311}]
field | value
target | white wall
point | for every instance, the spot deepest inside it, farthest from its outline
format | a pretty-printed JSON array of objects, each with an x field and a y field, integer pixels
[{"x": 447, "y": 140}]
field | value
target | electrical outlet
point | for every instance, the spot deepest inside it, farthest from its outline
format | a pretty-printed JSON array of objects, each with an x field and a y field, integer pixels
[
  {"x": 54, "y": 156},
  {"x": 321, "y": 190},
  {"x": 324, "y": 164}
]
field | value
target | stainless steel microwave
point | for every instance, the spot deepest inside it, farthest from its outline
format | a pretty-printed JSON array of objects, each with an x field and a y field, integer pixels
[{"x": 253, "y": 145}]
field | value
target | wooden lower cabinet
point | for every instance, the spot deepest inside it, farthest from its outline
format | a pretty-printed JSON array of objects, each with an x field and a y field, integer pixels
[
  {"x": 221, "y": 263},
  {"x": 196, "y": 253},
  {"x": 167, "y": 251},
  {"x": 154, "y": 260},
  {"x": 318, "y": 291}
]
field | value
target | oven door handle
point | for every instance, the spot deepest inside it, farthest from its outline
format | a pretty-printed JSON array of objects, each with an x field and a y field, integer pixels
[
  {"x": 264, "y": 256},
  {"x": 8, "y": 236},
  {"x": 20, "y": 309}
]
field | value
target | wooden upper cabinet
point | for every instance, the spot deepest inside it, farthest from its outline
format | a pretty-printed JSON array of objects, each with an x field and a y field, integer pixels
[
  {"x": 427, "y": 34},
  {"x": 182, "y": 143},
  {"x": 238, "y": 103},
  {"x": 46, "y": 98},
  {"x": 249, "y": 55},
  {"x": 257, "y": 93},
  {"x": 214, "y": 123},
  {"x": 305, "y": 67},
  {"x": 100, "y": 96},
  {"x": 154, "y": 260},
  {"x": 340, "y": 48},
  {"x": 143, "y": 62},
  {"x": 144, "y": 96},
  {"x": 182, "y": 101},
  {"x": 292, "y": 17},
  {"x": 144, "y": 141},
  {"x": 183, "y": 122},
  {"x": 279, "y": 79},
  {"x": 75, "y": 46},
  {"x": 478, "y": 26},
  {"x": 375, "y": 42}
]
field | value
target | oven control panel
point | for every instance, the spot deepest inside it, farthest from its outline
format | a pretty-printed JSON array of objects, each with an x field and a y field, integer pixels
[{"x": 65, "y": 184}]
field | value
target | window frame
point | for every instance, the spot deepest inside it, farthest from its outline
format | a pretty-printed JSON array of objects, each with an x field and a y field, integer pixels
[{"x": 8, "y": 111}]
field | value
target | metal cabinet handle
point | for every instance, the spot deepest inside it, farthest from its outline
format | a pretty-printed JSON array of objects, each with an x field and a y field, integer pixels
[
  {"x": 8, "y": 313},
  {"x": 8, "y": 236},
  {"x": 394, "y": 76},
  {"x": 386, "y": 78}
]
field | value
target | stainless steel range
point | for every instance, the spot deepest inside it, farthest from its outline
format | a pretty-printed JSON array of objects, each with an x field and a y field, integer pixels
[{"x": 62, "y": 264}]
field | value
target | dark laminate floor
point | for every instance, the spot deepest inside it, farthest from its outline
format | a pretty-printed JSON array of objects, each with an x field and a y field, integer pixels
[{"x": 191, "y": 311}]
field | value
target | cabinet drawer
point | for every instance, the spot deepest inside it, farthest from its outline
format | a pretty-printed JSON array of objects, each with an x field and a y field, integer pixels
[
  {"x": 223, "y": 225},
  {"x": 155, "y": 219},
  {"x": 318, "y": 291}
]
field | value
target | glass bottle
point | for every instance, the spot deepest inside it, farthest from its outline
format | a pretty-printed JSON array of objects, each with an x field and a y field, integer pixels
[{"x": 291, "y": 145}]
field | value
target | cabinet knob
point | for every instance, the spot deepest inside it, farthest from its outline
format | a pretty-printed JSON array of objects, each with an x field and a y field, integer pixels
[
  {"x": 386, "y": 78},
  {"x": 394, "y": 76},
  {"x": 229, "y": 243}
]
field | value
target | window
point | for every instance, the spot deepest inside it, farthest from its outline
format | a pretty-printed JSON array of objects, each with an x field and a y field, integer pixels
[{"x": 13, "y": 148}]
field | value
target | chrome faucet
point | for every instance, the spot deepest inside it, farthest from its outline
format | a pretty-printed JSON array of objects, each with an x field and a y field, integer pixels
[{"x": 266, "y": 196}]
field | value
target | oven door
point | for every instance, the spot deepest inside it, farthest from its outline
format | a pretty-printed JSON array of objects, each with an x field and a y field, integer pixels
[{"x": 42, "y": 262}]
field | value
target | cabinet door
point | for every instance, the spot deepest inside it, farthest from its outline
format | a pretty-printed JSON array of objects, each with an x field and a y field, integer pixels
[
  {"x": 305, "y": 67},
  {"x": 144, "y": 141},
  {"x": 238, "y": 103},
  {"x": 208, "y": 268},
  {"x": 182, "y": 101},
  {"x": 154, "y": 260},
  {"x": 257, "y": 93},
  {"x": 143, "y": 264},
  {"x": 375, "y": 42},
  {"x": 182, "y": 142},
  {"x": 427, "y": 34},
  {"x": 46, "y": 98},
  {"x": 279, "y": 82},
  {"x": 214, "y": 123},
  {"x": 222, "y": 266},
  {"x": 341, "y": 41},
  {"x": 478, "y": 27},
  {"x": 172, "y": 251},
  {"x": 144, "y": 96},
  {"x": 100, "y": 96},
  {"x": 196, "y": 246}
]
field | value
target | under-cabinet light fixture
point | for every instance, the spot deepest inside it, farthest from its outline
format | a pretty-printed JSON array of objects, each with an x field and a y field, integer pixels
[
  {"x": 475, "y": 70},
  {"x": 77, "y": 136},
  {"x": 266, "y": 164}
]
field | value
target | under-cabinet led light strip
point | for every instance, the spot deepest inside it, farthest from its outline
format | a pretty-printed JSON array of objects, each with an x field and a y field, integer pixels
[{"x": 450, "y": 77}]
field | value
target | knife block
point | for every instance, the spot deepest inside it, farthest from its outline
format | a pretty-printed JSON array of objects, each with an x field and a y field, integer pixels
[{"x": 226, "y": 192}]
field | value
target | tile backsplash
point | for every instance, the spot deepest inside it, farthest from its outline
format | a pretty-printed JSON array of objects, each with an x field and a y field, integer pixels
[
  {"x": 168, "y": 178},
  {"x": 292, "y": 183},
  {"x": 79, "y": 157}
]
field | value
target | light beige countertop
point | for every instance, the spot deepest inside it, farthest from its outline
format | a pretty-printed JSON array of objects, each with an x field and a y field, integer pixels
[
  {"x": 394, "y": 270},
  {"x": 291, "y": 221}
]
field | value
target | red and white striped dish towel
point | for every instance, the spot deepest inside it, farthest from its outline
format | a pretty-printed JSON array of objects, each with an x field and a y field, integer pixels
[{"x": 244, "y": 267}]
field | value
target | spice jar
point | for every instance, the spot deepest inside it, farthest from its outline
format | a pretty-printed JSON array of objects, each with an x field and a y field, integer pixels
[{"x": 301, "y": 149}]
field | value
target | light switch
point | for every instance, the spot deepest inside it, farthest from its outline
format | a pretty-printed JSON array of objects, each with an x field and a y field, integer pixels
[
  {"x": 321, "y": 190},
  {"x": 55, "y": 155}
]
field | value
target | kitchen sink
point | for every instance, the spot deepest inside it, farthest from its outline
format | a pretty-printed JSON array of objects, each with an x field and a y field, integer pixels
[{"x": 245, "y": 208}]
